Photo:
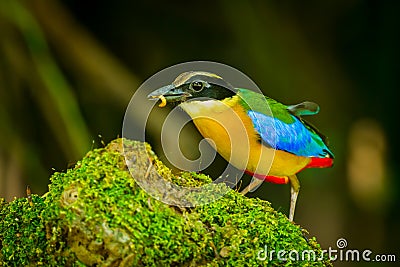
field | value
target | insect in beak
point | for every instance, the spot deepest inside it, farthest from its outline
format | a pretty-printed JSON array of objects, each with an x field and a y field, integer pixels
[{"x": 163, "y": 100}]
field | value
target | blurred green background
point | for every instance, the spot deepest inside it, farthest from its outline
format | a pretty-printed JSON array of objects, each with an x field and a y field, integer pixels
[{"x": 69, "y": 68}]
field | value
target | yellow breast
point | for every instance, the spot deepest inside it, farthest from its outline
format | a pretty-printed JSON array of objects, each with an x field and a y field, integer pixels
[{"x": 233, "y": 136}]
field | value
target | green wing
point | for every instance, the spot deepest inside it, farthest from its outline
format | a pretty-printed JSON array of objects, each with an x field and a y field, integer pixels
[{"x": 264, "y": 105}]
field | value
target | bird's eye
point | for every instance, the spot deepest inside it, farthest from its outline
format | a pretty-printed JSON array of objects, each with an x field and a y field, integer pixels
[{"x": 197, "y": 86}]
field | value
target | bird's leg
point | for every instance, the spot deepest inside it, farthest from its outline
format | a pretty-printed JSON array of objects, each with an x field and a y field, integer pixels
[
  {"x": 294, "y": 192},
  {"x": 253, "y": 184}
]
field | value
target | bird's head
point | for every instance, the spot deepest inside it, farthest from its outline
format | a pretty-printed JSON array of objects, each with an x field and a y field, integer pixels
[{"x": 192, "y": 85}]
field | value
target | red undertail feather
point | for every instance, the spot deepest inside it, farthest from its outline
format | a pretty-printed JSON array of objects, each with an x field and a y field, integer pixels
[
  {"x": 314, "y": 163},
  {"x": 320, "y": 163},
  {"x": 269, "y": 178}
]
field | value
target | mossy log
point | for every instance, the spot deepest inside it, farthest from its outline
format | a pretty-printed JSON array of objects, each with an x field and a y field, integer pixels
[{"x": 95, "y": 214}]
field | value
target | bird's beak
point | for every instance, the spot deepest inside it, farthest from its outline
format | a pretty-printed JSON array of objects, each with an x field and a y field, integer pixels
[{"x": 168, "y": 94}]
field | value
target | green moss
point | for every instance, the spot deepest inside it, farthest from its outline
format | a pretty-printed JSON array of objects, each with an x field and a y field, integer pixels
[
  {"x": 22, "y": 233},
  {"x": 96, "y": 214}
]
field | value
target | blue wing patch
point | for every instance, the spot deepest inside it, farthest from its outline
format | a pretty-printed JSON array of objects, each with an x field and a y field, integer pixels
[{"x": 295, "y": 137}]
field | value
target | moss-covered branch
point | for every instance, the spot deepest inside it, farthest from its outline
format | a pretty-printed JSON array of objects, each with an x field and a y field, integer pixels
[{"x": 96, "y": 215}]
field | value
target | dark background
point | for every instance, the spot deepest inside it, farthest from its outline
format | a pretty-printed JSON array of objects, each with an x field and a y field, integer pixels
[{"x": 68, "y": 70}]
